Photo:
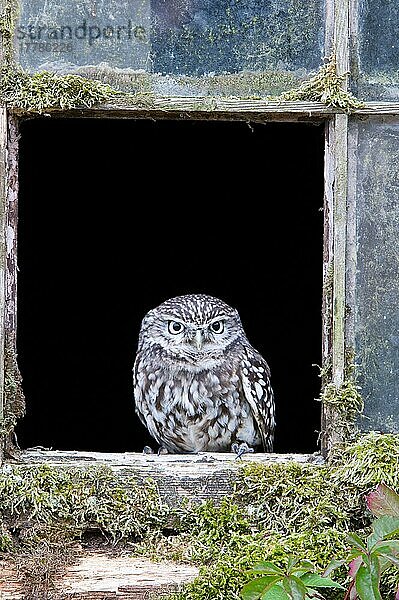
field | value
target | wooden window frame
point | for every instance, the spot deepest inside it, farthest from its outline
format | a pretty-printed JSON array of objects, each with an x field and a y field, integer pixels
[{"x": 339, "y": 198}]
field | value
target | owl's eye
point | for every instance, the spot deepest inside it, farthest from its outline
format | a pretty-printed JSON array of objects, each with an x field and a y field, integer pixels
[
  {"x": 175, "y": 327},
  {"x": 217, "y": 327}
]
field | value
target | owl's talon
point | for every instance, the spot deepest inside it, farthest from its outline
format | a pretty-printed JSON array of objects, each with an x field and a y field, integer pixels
[
  {"x": 162, "y": 450},
  {"x": 241, "y": 449},
  {"x": 148, "y": 450}
]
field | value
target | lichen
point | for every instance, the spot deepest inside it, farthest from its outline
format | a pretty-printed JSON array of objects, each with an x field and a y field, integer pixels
[{"x": 245, "y": 84}]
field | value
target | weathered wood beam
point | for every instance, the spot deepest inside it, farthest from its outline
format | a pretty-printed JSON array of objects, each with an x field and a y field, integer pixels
[
  {"x": 339, "y": 247},
  {"x": 104, "y": 575},
  {"x": 3, "y": 253},
  {"x": 217, "y": 109},
  {"x": 194, "y": 476},
  {"x": 336, "y": 199},
  {"x": 341, "y": 37},
  {"x": 99, "y": 575},
  {"x": 198, "y": 108}
]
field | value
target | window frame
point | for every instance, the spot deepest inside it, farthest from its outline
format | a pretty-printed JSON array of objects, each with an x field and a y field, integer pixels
[
  {"x": 339, "y": 203},
  {"x": 9, "y": 128}
]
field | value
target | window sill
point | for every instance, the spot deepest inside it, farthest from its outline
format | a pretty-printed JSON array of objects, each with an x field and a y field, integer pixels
[{"x": 197, "y": 477}]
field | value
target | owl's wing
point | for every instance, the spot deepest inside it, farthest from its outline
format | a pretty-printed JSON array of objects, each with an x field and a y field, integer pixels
[{"x": 255, "y": 379}]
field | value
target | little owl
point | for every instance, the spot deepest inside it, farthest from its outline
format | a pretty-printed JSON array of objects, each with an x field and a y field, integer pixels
[{"x": 199, "y": 385}]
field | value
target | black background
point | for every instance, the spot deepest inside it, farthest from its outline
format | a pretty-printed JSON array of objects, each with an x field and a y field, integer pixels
[{"x": 117, "y": 216}]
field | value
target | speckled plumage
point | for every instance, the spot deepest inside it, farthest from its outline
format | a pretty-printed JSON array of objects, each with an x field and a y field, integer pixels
[{"x": 198, "y": 383}]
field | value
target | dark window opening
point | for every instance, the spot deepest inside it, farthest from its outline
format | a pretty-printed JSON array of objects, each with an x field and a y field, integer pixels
[{"x": 116, "y": 216}]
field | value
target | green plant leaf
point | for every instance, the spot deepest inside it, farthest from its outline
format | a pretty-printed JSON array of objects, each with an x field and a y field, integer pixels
[
  {"x": 388, "y": 553},
  {"x": 276, "y": 593},
  {"x": 295, "y": 587},
  {"x": 255, "y": 589},
  {"x": 390, "y": 557},
  {"x": 354, "y": 553},
  {"x": 383, "y": 501},
  {"x": 391, "y": 546},
  {"x": 357, "y": 542},
  {"x": 316, "y": 580},
  {"x": 367, "y": 581},
  {"x": 354, "y": 566},
  {"x": 266, "y": 567},
  {"x": 306, "y": 565},
  {"x": 291, "y": 562},
  {"x": 382, "y": 527},
  {"x": 332, "y": 565}
]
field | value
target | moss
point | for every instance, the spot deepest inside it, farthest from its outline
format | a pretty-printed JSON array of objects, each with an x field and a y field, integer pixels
[
  {"x": 274, "y": 510},
  {"x": 372, "y": 459},
  {"x": 77, "y": 499},
  {"x": 14, "y": 400},
  {"x": 347, "y": 404},
  {"x": 44, "y": 511},
  {"x": 6, "y": 541},
  {"x": 326, "y": 87},
  {"x": 292, "y": 497},
  {"x": 44, "y": 90},
  {"x": 8, "y": 19},
  {"x": 296, "y": 509}
]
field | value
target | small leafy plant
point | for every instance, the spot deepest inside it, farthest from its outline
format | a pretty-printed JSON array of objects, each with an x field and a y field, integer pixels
[
  {"x": 297, "y": 581},
  {"x": 367, "y": 560}
]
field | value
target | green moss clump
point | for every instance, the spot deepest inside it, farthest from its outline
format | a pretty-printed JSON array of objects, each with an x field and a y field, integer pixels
[
  {"x": 44, "y": 512},
  {"x": 274, "y": 510},
  {"x": 14, "y": 400},
  {"x": 347, "y": 404},
  {"x": 296, "y": 509},
  {"x": 75, "y": 500},
  {"x": 44, "y": 90},
  {"x": 326, "y": 87},
  {"x": 286, "y": 498},
  {"x": 372, "y": 459}
]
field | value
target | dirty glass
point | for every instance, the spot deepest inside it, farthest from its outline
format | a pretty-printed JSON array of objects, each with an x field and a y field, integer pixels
[
  {"x": 377, "y": 273},
  {"x": 191, "y": 47},
  {"x": 378, "y": 51}
]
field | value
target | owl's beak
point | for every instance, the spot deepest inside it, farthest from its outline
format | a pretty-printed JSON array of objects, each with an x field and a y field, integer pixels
[{"x": 198, "y": 339}]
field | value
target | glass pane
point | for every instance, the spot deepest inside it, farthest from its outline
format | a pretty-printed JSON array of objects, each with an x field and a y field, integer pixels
[
  {"x": 377, "y": 278},
  {"x": 64, "y": 34},
  {"x": 191, "y": 47},
  {"x": 378, "y": 50}
]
